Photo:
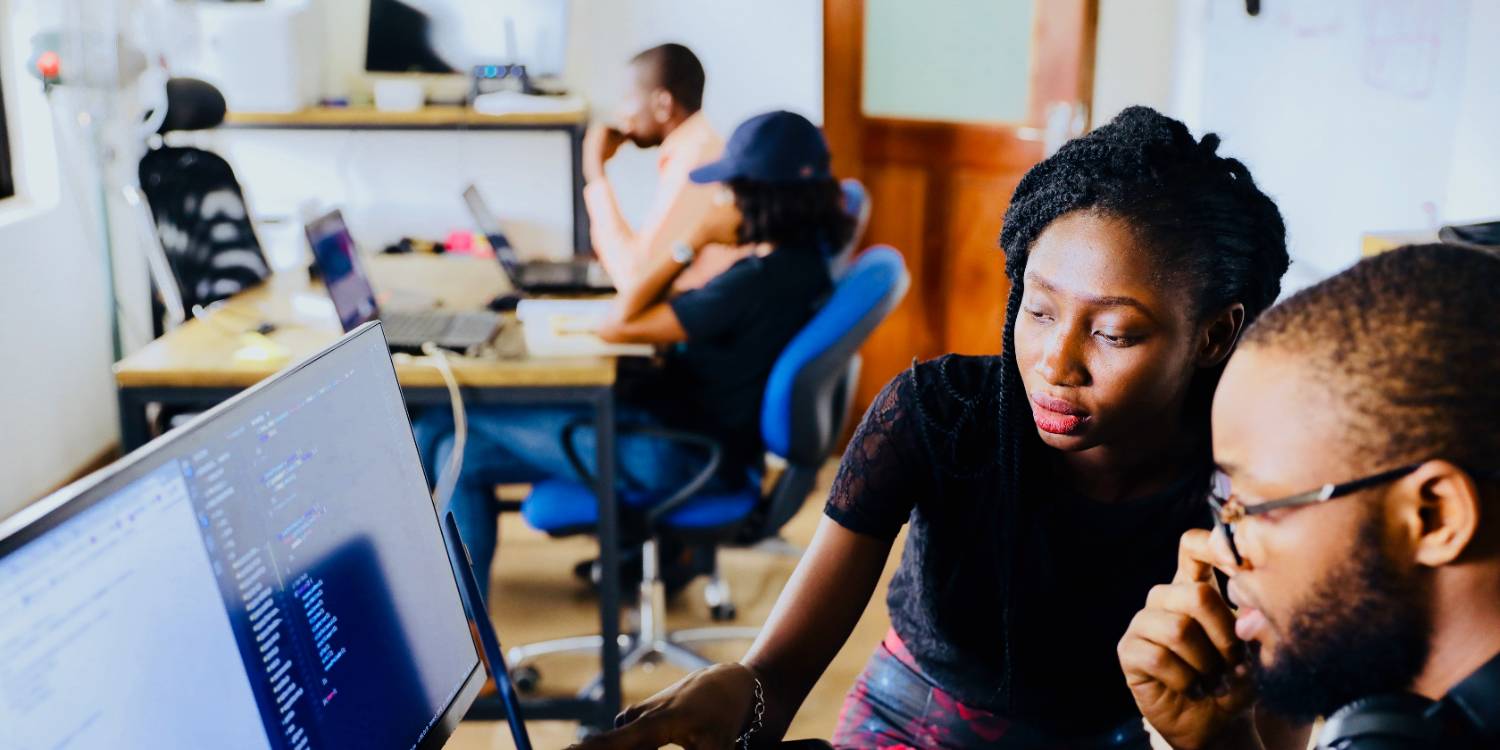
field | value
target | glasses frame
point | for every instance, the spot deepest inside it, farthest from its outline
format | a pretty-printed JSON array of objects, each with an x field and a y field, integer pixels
[{"x": 1229, "y": 511}]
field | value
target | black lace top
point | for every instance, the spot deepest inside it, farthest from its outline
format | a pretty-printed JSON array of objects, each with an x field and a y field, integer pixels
[{"x": 925, "y": 454}]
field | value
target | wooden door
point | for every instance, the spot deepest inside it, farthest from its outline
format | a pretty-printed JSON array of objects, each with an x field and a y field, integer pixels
[{"x": 939, "y": 186}]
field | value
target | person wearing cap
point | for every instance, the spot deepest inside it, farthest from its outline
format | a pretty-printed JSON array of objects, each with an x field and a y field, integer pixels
[
  {"x": 662, "y": 110},
  {"x": 780, "y": 206}
]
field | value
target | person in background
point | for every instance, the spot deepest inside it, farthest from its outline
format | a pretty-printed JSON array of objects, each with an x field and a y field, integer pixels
[
  {"x": 1044, "y": 488},
  {"x": 1359, "y": 520},
  {"x": 783, "y": 206},
  {"x": 661, "y": 110}
]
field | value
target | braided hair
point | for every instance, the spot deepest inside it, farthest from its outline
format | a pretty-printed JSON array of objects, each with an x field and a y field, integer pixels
[{"x": 1202, "y": 215}]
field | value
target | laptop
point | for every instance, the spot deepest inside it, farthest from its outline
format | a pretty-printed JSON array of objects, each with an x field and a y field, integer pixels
[
  {"x": 536, "y": 276},
  {"x": 338, "y": 263},
  {"x": 270, "y": 575}
]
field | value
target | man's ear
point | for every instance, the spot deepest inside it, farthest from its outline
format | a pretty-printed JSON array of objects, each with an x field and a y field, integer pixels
[
  {"x": 1446, "y": 514},
  {"x": 662, "y": 105},
  {"x": 1217, "y": 337}
]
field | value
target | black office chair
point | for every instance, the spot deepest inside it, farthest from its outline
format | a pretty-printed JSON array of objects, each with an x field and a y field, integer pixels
[
  {"x": 205, "y": 246},
  {"x": 804, "y": 411}
]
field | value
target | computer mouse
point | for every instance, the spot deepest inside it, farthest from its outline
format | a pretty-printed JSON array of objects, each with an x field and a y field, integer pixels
[{"x": 505, "y": 302}]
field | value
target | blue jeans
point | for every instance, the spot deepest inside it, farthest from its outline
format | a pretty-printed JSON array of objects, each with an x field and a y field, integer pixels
[{"x": 520, "y": 444}]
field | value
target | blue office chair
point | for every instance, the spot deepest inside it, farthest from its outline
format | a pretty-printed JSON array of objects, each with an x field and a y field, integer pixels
[
  {"x": 857, "y": 205},
  {"x": 803, "y": 413}
]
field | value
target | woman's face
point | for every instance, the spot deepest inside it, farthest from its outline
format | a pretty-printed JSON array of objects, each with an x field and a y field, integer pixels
[{"x": 1107, "y": 344}]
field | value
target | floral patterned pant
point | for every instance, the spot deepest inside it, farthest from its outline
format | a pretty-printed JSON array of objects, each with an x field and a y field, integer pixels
[{"x": 893, "y": 706}]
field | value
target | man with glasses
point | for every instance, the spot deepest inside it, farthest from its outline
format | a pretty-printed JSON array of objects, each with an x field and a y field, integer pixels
[{"x": 1357, "y": 522}]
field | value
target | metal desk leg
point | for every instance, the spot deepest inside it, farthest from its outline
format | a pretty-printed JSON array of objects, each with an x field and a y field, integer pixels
[
  {"x": 135, "y": 431},
  {"x": 609, "y": 556},
  {"x": 583, "y": 245}
]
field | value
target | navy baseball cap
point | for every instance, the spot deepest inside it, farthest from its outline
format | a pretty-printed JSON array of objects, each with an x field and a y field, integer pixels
[{"x": 773, "y": 147}]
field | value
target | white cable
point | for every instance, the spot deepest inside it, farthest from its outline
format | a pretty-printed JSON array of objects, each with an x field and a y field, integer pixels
[{"x": 447, "y": 477}]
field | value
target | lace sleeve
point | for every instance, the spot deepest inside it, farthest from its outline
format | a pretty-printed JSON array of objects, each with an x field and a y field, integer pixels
[{"x": 877, "y": 481}]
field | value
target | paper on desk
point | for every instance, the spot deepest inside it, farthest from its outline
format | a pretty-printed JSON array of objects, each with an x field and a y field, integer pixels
[{"x": 566, "y": 328}]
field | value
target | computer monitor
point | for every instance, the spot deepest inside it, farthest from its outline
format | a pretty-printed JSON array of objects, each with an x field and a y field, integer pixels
[
  {"x": 337, "y": 259},
  {"x": 271, "y": 575},
  {"x": 453, "y": 36}
]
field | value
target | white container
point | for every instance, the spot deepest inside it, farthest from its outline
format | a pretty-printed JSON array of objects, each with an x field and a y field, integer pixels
[
  {"x": 263, "y": 56},
  {"x": 398, "y": 94}
]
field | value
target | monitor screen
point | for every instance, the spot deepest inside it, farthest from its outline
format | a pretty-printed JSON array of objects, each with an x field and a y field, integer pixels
[
  {"x": 338, "y": 261},
  {"x": 270, "y": 576},
  {"x": 453, "y": 36}
]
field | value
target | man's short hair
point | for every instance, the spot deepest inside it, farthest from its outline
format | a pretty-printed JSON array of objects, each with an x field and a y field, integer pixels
[
  {"x": 1409, "y": 342},
  {"x": 676, "y": 69}
]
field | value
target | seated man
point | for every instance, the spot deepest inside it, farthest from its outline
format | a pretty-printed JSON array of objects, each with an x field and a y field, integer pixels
[
  {"x": 723, "y": 338},
  {"x": 660, "y": 110},
  {"x": 1359, "y": 522}
]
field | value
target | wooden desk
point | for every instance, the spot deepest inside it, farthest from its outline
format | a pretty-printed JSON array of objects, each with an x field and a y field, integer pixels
[
  {"x": 203, "y": 362},
  {"x": 440, "y": 117}
]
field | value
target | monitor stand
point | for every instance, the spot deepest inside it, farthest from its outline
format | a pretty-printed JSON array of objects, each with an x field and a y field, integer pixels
[{"x": 463, "y": 566}]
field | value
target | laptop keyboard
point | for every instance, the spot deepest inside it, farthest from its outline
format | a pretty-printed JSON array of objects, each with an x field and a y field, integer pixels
[
  {"x": 472, "y": 326},
  {"x": 439, "y": 327}
]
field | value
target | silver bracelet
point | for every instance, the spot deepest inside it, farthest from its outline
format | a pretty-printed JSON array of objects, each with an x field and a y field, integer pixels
[{"x": 758, "y": 720}]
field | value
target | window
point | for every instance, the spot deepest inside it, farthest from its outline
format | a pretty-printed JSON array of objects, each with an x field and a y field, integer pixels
[{"x": 7, "y": 182}]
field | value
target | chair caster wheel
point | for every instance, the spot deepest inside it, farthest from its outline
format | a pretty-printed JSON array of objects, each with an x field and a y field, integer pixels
[
  {"x": 526, "y": 678},
  {"x": 722, "y": 612}
]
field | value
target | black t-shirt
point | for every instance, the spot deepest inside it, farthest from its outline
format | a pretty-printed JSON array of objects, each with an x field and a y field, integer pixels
[
  {"x": 925, "y": 454},
  {"x": 737, "y": 324}
]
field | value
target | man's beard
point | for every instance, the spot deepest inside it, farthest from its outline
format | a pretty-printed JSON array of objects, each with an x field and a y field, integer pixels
[{"x": 1363, "y": 631}]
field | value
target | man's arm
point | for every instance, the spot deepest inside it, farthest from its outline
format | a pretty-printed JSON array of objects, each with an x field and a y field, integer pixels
[
  {"x": 641, "y": 314},
  {"x": 679, "y": 207}
]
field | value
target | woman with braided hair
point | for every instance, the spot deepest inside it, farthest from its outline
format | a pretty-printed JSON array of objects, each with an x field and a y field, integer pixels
[{"x": 1045, "y": 487}]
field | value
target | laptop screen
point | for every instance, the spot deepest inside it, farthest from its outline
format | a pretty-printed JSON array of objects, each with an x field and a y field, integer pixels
[
  {"x": 490, "y": 227},
  {"x": 271, "y": 576},
  {"x": 338, "y": 261}
]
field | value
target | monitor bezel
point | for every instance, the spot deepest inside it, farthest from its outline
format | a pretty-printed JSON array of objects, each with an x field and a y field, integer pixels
[{"x": 66, "y": 503}]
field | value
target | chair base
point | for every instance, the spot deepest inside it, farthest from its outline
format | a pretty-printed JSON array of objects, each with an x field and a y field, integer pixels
[{"x": 652, "y": 643}]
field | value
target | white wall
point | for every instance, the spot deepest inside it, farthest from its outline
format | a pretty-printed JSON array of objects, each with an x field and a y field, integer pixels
[
  {"x": 1355, "y": 116},
  {"x": 757, "y": 56},
  {"x": 56, "y": 393},
  {"x": 1474, "y": 180},
  {"x": 1134, "y": 54}
]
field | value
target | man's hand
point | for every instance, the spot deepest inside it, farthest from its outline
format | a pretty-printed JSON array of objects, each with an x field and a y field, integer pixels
[
  {"x": 599, "y": 146},
  {"x": 1183, "y": 663}
]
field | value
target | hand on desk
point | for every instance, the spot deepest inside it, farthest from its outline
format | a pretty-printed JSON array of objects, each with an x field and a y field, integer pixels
[{"x": 706, "y": 710}]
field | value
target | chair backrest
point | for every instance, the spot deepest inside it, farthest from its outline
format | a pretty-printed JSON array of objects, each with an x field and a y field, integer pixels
[
  {"x": 809, "y": 391},
  {"x": 202, "y": 223},
  {"x": 796, "y": 413},
  {"x": 198, "y": 209},
  {"x": 857, "y": 205}
]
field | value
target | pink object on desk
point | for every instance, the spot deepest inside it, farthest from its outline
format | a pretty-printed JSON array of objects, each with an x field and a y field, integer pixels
[{"x": 467, "y": 243}]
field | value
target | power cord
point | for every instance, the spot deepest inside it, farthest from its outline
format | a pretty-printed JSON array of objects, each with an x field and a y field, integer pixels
[{"x": 447, "y": 478}]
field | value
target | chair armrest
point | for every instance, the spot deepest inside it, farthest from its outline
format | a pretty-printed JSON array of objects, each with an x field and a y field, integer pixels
[{"x": 678, "y": 497}]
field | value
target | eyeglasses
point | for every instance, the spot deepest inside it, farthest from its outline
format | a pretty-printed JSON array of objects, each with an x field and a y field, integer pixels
[{"x": 1228, "y": 510}]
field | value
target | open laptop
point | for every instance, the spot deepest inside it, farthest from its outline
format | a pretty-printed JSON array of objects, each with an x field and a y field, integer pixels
[
  {"x": 536, "y": 276},
  {"x": 270, "y": 575},
  {"x": 354, "y": 299}
]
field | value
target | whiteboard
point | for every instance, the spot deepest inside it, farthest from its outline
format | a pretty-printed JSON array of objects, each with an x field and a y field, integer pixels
[{"x": 1345, "y": 111}]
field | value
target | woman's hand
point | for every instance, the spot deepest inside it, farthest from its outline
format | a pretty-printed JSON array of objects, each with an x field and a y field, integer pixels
[
  {"x": 706, "y": 710},
  {"x": 1183, "y": 663}
]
